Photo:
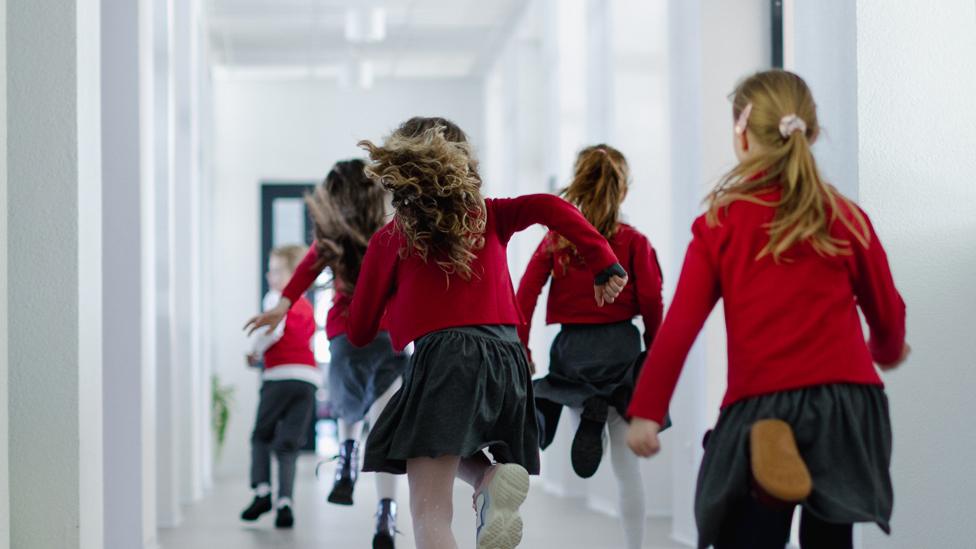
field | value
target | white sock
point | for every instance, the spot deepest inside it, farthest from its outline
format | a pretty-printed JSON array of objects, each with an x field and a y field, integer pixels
[
  {"x": 262, "y": 490},
  {"x": 284, "y": 502},
  {"x": 350, "y": 431},
  {"x": 386, "y": 485}
]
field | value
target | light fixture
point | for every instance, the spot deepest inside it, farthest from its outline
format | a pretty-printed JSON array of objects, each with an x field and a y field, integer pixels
[{"x": 365, "y": 25}]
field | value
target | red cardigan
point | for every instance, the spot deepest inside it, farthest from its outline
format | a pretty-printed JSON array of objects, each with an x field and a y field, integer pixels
[
  {"x": 571, "y": 292},
  {"x": 295, "y": 345},
  {"x": 790, "y": 325},
  {"x": 420, "y": 298}
]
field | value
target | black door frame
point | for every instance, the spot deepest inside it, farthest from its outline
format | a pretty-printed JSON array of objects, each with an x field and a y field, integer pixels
[{"x": 270, "y": 191}]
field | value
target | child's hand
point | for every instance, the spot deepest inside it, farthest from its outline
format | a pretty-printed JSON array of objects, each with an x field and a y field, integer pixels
[
  {"x": 607, "y": 293},
  {"x": 642, "y": 437},
  {"x": 270, "y": 318},
  {"x": 252, "y": 360},
  {"x": 905, "y": 351}
]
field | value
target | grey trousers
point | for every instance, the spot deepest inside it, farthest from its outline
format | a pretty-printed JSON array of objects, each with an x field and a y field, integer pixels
[{"x": 284, "y": 411}]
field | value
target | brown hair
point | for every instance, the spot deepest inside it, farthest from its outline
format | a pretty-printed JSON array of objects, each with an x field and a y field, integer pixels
[
  {"x": 346, "y": 209},
  {"x": 429, "y": 167},
  {"x": 808, "y": 206},
  {"x": 598, "y": 187},
  {"x": 291, "y": 253}
]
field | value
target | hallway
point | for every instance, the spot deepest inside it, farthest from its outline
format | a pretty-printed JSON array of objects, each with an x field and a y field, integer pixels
[
  {"x": 551, "y": 522},
  {"x": 154, "y": 152}
]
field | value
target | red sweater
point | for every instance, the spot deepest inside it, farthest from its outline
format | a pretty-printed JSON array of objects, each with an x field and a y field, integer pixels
[
  {"x": 295, "y": 345},
  {"x": 790, "y": 325},
  {"x": 419, "y": 298},
  {"x": 571, "y": 293},
  {"x": 301, "y": 280}
]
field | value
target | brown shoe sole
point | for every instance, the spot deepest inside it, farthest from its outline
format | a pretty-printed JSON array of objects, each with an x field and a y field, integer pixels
[{"x": 777, "y": 467}]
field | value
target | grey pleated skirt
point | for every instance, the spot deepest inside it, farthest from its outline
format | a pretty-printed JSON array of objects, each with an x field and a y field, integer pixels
[
  {"x": 359, "y": 375},
  {"x": 843, "y": 432},
  {"x": 586, "y": 361},
  {"x": 466, "y": 389}
]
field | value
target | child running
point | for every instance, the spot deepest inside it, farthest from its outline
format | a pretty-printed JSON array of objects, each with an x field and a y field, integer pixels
[
  {"x": 346, "y": 210},
  {"x": 805, "y": 417},
  {"x": 592, "y": 360},
  {"x": 439, "y": 272},
  {"x": 289, "y": 381}
]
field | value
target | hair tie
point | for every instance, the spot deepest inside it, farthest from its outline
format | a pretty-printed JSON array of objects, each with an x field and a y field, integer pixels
[
  {"x": 791, "y": 123},
  {"x": 742, "y": 122}
]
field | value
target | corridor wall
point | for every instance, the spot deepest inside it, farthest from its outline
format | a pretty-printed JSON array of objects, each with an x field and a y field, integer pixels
[{"x": 916, "y": 75}]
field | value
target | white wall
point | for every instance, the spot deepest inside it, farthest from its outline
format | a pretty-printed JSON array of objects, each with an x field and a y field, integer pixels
[
  {"x": 917, "y": 138},
  {"x": 55, "y": 273},
  {"x": 288, "y": 131},
  {"x": 4, "y": 453},
  {"x": 819, "y": 38},
  {"x": 128, "y": 274}
]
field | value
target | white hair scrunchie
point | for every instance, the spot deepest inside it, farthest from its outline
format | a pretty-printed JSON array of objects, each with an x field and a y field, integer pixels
[{"x": 791, "y": 123}]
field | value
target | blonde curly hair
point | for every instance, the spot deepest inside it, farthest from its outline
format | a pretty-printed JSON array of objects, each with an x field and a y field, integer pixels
[{"x": 429, "y": 167}]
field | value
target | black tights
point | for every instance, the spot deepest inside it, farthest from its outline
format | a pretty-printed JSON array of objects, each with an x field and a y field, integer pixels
[{"x": 755, "y": 525}]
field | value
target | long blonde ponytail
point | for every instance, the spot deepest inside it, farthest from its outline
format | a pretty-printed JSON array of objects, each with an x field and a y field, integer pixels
[{"x": 780, "y": 113}]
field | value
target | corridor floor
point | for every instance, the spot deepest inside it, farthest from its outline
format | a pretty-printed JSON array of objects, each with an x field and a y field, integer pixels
[{"x": 551, "y": 522}]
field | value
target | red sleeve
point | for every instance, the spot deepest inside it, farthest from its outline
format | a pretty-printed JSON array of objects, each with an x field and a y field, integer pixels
[
  {"x": 373, "y": 288},
  {"x": 515, "y": 214},
  {"x": 535, "y": 277},
  {"x": 879, "y": 300},
  {"x": 303, "y": 277},
  {"x": 647, "y": 280},
  {"x": 698, "y": 291}
]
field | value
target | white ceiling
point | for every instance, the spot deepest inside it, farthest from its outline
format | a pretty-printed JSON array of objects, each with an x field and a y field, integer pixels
[{"x": 424, "y": 38}]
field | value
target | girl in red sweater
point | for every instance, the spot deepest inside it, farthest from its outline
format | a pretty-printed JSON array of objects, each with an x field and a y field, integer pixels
[
  {"x": 439, "y": 274},
  {"x": 346, "y": 210},
  {"x": 592, "y": 360},
  {"x": 805, "y": 417}
]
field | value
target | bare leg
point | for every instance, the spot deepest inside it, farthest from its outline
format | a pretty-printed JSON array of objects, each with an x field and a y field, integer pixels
[
  {"x": 431, "y": 500},
  {"x": 472, "y": 470}
]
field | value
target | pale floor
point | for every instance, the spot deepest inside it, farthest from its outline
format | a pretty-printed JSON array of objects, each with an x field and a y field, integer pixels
[{"x": 551, "y": 522}]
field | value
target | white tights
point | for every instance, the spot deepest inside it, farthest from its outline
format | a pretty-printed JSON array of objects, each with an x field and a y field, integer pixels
[
  {"x": 630, "y": 485},
  {"x": 385, "y": 482}
]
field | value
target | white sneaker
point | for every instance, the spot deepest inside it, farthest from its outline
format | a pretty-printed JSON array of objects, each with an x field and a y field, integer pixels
[{"x": 497, "y": 507}]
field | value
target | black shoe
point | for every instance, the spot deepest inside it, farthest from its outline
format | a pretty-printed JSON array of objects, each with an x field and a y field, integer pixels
[
  {"x": 285, "y": 518},
  {"x": 587, "y": 450},
  {"x": 258, "y": 507},
  {"x": 385, "y": 524},
  {"x": 347, "y": 471}
]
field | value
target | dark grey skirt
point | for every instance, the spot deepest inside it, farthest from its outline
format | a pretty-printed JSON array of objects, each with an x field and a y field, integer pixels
[
  {"x": 844, "y": 435},
  {"x": 585, "y": 361},
  {"x": 359, "y": 375},
  {"x": 466, "y": 389}
]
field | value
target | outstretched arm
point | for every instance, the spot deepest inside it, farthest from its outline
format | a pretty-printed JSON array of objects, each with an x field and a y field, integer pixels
[
  {"x": 535, "y": 277},
  {"x": 698, "y": 291},
  {"x": 301, "y": 280},
  {"x": 373, "y": 289},
  {"x": 648, "y": 280},
  {"x": 515, "y": 214}
]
